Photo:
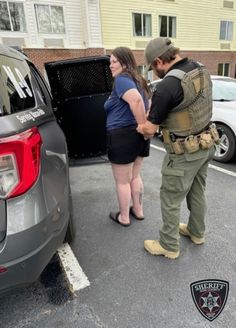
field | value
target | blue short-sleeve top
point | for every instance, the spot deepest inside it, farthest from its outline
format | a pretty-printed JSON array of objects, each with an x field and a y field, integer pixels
[{"x": 118, "y": 111}]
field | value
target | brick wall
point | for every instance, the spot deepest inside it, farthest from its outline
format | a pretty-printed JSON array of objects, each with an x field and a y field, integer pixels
[
  {"x": 210, "y": 59},
  {"x": 41, "y": 56}
]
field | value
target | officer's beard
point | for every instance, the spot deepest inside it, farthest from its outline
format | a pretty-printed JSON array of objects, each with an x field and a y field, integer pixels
[{"x": 160, "y": 73}]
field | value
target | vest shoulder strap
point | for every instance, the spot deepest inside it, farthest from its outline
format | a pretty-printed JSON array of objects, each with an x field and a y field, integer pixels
[{"x": 178, "y": 73}]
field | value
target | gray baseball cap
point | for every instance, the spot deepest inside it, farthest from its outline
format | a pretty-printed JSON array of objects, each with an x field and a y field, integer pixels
[{"x": 155, "y": 48}]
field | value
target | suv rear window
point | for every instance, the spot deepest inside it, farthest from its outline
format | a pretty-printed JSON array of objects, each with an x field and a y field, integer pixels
[{"x": 15, "y": 86}]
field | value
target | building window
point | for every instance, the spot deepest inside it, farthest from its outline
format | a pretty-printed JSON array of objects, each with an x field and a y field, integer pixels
[
  {"x": 167, "y": 25},
  {"x": 50, "y": 19},
  {"x": 141, "y": 69},
  {"x": 223, "y": 69},
  {"x": 12, "y": 16},
  {"x": 226, "y": 30},
  {"x": 142, "y": 24},
  {"x": 147, "y": 75},
  {"x": 228, "y": 4}
]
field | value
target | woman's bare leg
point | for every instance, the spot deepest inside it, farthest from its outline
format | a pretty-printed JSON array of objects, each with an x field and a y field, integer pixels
[
  {"x": 123, "y": 174},
  {"x": 137, "y": 187}
]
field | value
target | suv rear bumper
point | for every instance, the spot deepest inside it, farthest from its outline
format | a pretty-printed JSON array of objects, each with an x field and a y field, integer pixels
[{"x": 27, "y": 269}]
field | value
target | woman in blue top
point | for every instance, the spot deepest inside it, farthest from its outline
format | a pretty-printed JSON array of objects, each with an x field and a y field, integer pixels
[{"x": 127, "y": 107}]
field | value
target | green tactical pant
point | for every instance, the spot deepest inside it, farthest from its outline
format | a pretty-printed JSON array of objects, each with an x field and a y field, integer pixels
[{"x": 183, "y": 176}]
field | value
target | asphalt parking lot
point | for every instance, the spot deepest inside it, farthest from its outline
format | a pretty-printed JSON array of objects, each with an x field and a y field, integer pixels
[
  {"x": 128, "y": 287},
  {"x": 134, "y": 289}
]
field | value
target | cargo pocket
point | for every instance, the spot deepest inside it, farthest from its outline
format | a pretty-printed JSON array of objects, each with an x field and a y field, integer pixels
[{"x": 172, "y": 179}]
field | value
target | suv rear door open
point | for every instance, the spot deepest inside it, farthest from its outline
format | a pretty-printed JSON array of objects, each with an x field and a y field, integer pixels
[{"x": 80, "y": 88}]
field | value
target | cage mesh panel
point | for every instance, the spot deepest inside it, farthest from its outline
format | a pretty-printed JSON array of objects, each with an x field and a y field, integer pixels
[
  {"x": 80, "y": 79},
  {"x": 80, "y": 88}
]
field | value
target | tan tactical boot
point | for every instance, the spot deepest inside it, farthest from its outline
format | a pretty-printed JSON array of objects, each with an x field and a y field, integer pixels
[
  {"x": 183, "y": 230},
  {"x": 154, "y": 248}
]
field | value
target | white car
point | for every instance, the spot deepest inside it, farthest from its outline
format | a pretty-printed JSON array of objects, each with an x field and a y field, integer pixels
[{"x": 224, "y": 115}]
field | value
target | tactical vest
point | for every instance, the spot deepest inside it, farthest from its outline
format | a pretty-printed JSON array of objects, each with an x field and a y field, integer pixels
[{"x": 194, "y": 113}]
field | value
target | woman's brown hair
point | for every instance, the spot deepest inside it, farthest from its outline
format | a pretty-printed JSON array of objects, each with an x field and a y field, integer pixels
[{"x": 127, "y": 60}]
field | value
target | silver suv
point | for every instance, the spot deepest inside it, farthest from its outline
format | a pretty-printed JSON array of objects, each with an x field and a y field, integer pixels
[{"x": 35, "y": 200}]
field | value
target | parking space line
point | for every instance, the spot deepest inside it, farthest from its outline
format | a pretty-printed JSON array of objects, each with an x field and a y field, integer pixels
[
  {"x": 158, "y": 148},
  {"x": 216, "y": 168},
  {"x": 233, "y": 174},
  {"x": 75, "y": 276}
]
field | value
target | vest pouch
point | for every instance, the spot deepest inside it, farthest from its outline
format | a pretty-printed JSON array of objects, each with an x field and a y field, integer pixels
[
  {"x": 214, "y": 133},
  {"x": 166, "y": 136},
  {"x": 191, "y": 144},
  {"x": 206, "y": 140},
  {"x": 177, "y": 147}
]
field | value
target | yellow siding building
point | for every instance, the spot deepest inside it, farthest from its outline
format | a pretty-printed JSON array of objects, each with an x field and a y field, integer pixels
[{"x": 204, "y": 30}]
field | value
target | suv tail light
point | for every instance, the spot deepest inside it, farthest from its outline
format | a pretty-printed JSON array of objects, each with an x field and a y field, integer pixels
[{"x": 19, "y": 162}]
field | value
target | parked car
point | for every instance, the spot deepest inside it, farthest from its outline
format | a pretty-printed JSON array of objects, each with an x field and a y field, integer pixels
[
  {"x": 224, "y": 115},
  {"x": 152, "y": 85},
  {"x": 43, "y": 130},
  {"x": 35, "y": 199}
]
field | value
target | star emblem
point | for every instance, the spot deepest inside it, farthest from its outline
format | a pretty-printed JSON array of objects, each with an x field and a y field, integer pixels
[{"x": 210, "y": 301}]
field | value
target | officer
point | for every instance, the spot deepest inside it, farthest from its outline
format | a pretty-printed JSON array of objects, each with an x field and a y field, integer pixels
[{"x": 181, "y": 109}]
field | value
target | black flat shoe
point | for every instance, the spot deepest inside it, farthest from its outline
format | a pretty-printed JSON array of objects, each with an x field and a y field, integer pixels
[
  {"x": 114, "y": 216},
  {"x": 139, "y": 218}
]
